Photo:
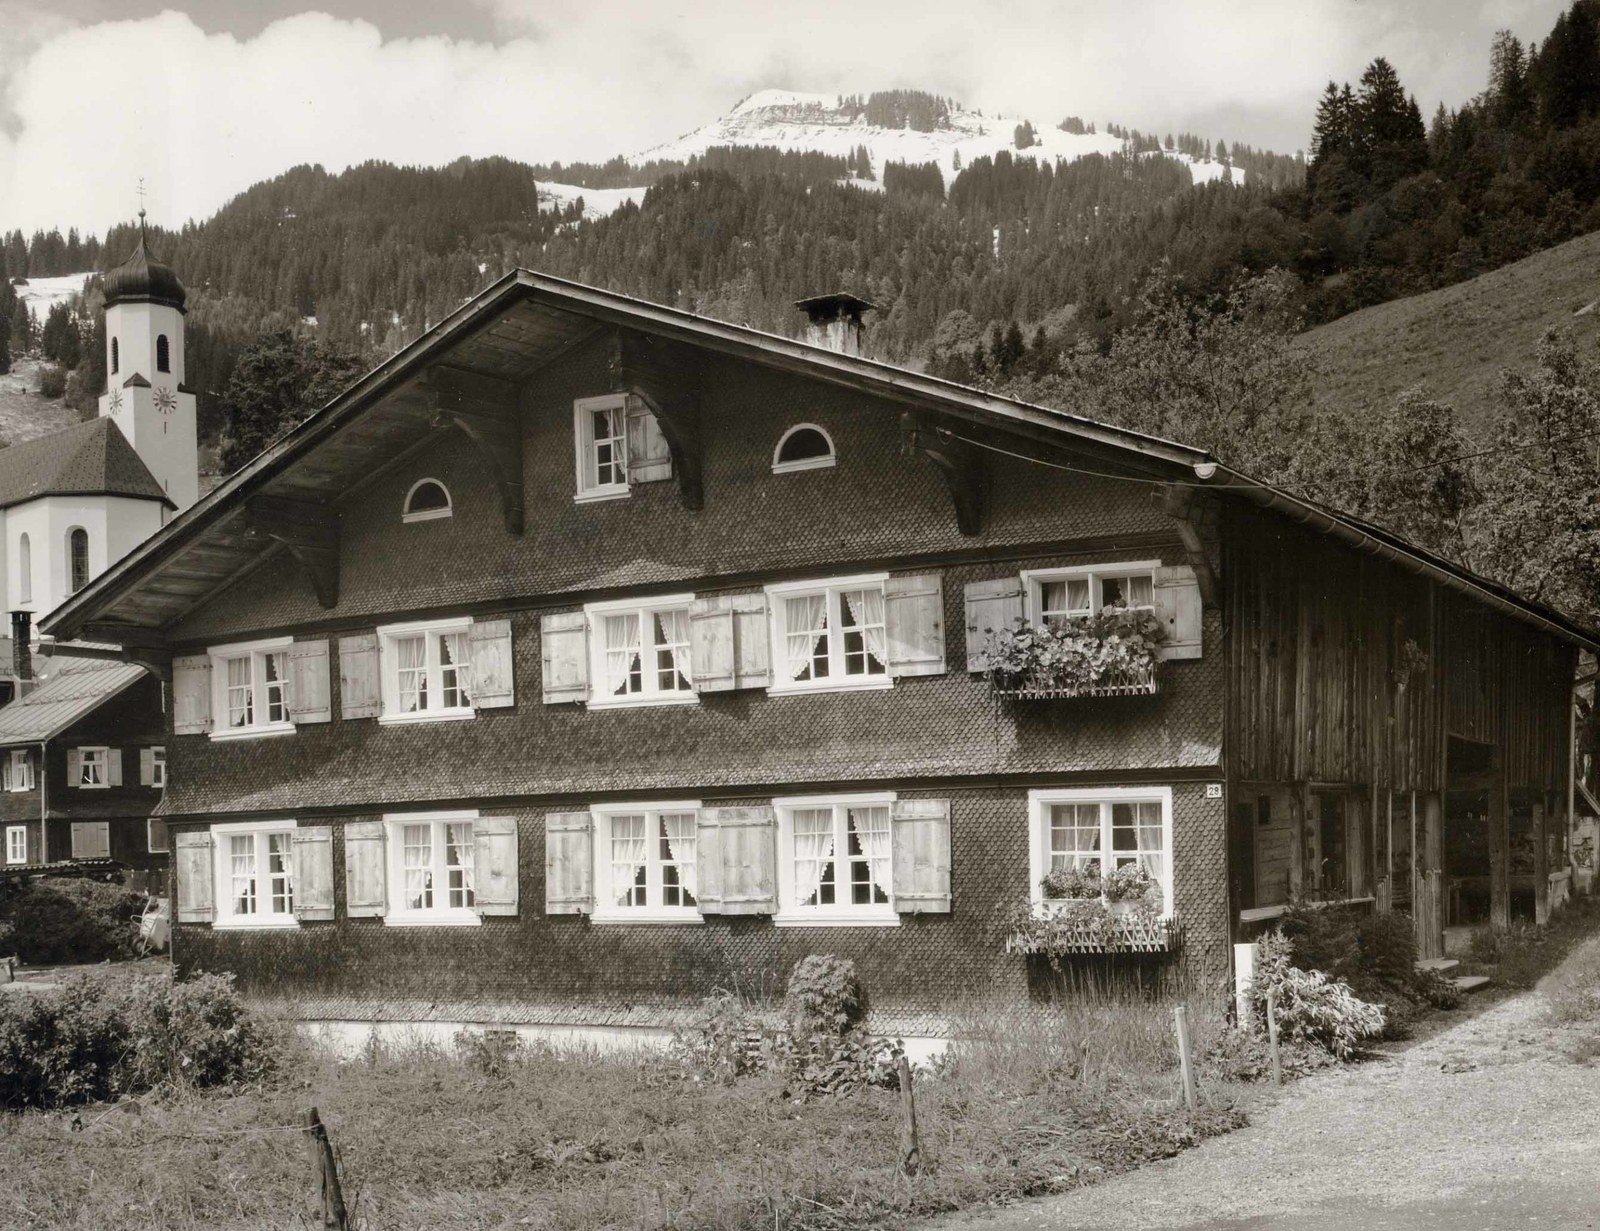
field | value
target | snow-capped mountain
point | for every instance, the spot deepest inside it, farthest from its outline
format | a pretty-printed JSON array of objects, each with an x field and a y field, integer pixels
[{"x": 818, "y": 122}]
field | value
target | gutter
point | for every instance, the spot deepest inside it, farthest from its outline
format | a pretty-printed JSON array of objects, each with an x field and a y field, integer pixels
[{"x": 44, "y": 807}]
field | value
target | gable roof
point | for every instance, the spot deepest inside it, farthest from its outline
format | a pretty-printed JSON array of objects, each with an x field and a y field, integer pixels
[
  {"x": 524, "y": 321},
  {"x": 87, "y": 459},
  {"x": 74, "y": 687}
]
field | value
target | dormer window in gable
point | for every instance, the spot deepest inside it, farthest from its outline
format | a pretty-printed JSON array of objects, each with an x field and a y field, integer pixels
[
  {"x": 618, "y": 443},
  {"x": 428, "y": 500},
  {"x": 805, "y": 446}
]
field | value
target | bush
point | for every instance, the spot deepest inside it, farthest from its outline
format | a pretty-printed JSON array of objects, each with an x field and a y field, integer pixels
[
  {"x": 52, "y": 380},
  {"x": 1376, "y": 955},
  {"x": 90, "y": 1041},
  {"x": 1311, "y": 1007},
  {"x": 1520, "y": 953},
  {"x": 824, "y": 995},
  {"x": 56, "y": 921}
]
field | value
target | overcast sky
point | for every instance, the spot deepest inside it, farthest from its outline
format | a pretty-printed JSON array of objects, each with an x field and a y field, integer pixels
[{"x": 205, "y": 99}]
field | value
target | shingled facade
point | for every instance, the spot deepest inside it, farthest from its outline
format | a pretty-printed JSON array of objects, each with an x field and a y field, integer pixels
[{"x": 601, "y": 655}]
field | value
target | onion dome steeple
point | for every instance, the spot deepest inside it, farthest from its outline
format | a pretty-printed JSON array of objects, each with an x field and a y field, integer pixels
[{"x": 141, "y": 279}]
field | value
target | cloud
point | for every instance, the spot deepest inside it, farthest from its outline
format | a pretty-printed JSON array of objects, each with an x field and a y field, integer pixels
[{"x": 86, "y": 110}]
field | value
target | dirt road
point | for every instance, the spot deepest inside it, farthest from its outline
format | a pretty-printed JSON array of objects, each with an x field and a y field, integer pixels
[{"x": 1485, "y": 1125}]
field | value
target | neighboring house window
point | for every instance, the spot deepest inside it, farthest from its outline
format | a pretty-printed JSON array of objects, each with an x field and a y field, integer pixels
[
  {"x": 250, "y": 689},
  {"x": 163, "y": 354},
  {"x": 803, "y": 447},
  {"x": 640, "y": 651},
  {"x": 829, "y": 635},
  {"x": 255, "y": 874},
  {"x": 20, "y": 770},
  {"x": 25, "y": 569},
  {"x": 427, "y": 500},
  {"x": 94, "y": 768},
  {"x": 431, "y": 865},
  {"x": 618, "y": 442},
  {"x": 16, "y": 844},
  {"x": 1070, "y": 592},
  {"x": 115, "y": 356},
  {"x": 157, "y": 840},
  {"x": 835, "y": 859},
  {"x": 646, "y": 862},
  {"x": 1099, "y": 830},
  {"x": 158, "y": 767},
  {"x": 78, "y": 553},
  {"x": 427, "y": 670},
  {"x": 91, "y": 839}
]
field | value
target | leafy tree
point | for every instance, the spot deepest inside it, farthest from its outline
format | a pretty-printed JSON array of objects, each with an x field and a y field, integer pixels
[
  {"x": 59, "y": 340},
  {"x": 276, "y": 383}
]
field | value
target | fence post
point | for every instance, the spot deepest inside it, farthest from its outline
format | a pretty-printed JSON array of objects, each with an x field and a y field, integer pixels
[
  {"x": 910, "y": 1146},
  {"x": 1272, "y": 1038},
  {"x": 1180, "y": 1018},
  {"x": 325, "y": 1172}
]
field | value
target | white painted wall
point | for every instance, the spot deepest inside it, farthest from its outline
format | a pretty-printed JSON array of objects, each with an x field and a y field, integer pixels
[
  {"x": 116, "y": 525},
  {"x": 167, "y": 439}
]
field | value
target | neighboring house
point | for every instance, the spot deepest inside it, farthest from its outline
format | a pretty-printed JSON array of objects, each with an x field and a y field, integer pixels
[{"x": 590, "y": 655}]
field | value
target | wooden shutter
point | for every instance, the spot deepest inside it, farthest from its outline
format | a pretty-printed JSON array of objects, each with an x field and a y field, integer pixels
[
  {"x": 494, "y": 841},
  {"x": 191, "y": 695},
  {"x": 313, "y": 871},
  {"x": 913, "y": 613},
  {"x": 6, "y": 782},
  {"x": 564, "y": 653},
  {"x": 921, "y": 850},
  {"x": 309, "y": 698},
  {"x": 649, "y": 459},
  {"x": 568, "y": 863},
  {"x": 365, "y": 871},
  {"x": 736, "y": 850},
  {"x": 489, "y": 644},
  {"x": 729, "y": 644},
  {"x": 1178, "y": 605},
  {"x": 147, "y": 767},
  {"x": 74, "y": 767},
  {"x": 359, "y": 695},
  {"x": 113, "y": 767},
  {"x": 191, "y": 866},
  {"x": 91, "y": 839},
  {"x": 991, "y": 606}
]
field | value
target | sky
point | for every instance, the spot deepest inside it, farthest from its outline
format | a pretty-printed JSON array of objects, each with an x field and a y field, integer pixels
[{"x": 205, "y": 99}]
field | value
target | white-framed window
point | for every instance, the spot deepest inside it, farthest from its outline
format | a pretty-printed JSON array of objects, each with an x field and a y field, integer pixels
[
  {"x": 835, "y": 860},
  {"x": 1064, "y": 593},
  {"x": 250, "y": 688},
  {"x": 156, "y": 838},
  {"x": 16, "y": 844},
  {"x": 646, "y": 862},
  {"x": 431, "y": 868},
  {"x": 158, "y": 767},
  {"x": 829, "y": 635},
  {"x": 639, "y": 652},
  {"x": 78, "y": 558},
  {"x": 428, "y": 500},
  {"x": 254, "y": 874},
  {"x": 426, "y": 670},
  {"x": 601, "y": 432},
  {"x": 1101, "y": 829},
  {"x": 94, "y": 768},
  {"x": 20, "y": 771},
  {"x": 805, "y": 446}
]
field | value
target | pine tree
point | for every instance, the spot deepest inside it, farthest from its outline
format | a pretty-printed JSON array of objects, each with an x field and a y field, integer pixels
[
  {"x": 1510, "y": 92},
  {"x": 1566, "y": 71}
]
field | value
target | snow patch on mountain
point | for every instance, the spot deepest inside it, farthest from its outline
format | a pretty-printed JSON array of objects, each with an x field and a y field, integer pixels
[
  {"x": 42, "y": 294},
  {"x": 815, "y": 122},
  {"x": 597, "y": 202}
]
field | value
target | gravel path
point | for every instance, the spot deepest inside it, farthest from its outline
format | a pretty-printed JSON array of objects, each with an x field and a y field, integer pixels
[{"x": 1484, "y": 1125}]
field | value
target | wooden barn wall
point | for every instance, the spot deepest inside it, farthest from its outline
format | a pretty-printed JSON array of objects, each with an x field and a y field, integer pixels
[{"x": 1345, "y": 668}]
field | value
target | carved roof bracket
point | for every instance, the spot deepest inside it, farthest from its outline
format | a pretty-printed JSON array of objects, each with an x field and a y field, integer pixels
[
  {"x": 963, "y": 466},
  {"x": 309, "y": 532},
  {"x": 668, "y": 379},
  {"x": 1196, "y": 515},
  {"x": 487, "y": 410}
]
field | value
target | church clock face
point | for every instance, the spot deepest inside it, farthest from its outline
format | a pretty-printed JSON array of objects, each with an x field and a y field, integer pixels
[
  {"x": 166, "y": 401},
  {"x": 116, "y": 401}
]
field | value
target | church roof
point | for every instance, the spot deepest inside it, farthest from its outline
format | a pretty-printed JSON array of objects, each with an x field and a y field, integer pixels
[
  {"x": 142, "y": 279},
  {"x": 87, "y": 459}
]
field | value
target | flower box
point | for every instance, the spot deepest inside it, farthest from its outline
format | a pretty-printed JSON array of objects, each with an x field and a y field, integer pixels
[
  {"x": 1140, "y": 683},
  {"x": 1111, "y": 654},
  {"x": 1125, "y": 934}
]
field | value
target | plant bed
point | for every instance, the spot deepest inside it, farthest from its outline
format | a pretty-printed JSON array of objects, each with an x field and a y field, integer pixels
[{"x": 1111, "y": 654}]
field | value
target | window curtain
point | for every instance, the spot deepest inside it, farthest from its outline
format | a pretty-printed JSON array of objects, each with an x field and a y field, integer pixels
[
  {"x": 239, "y": 691},
  {"x": 411, "y": 653},
  {"x": 280, "y": 863},
  {"x": 622, "y": 652},
  {"x": 629, "y": 852},
  {"x": 1074, "y": 835},
  {"x": 1152, "y": 852},
  {"x": 872, "y": 831},
  {"x": 679, "y": 831},
  {"x": 866, "y": 609},
  {"x": 417, "y": 844},
  {"x": 674, "y": 630},
  {"x": 242, "y": 856},
  {"x": 806, "y": 619},
  {"x": 813, "y": 849},
  {"x": 459, "y": 854},
  {"x": 453, "y": 653}
]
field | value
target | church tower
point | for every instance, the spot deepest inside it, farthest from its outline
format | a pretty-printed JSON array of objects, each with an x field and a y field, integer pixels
[{"x": 146, "y": 395}]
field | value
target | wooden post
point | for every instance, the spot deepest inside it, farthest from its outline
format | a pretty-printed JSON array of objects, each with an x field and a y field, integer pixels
[
  {"x": 1272, "y": 1038},
  {"x": 910, "y": 1146},
  {"x": 1541, "y": 866},
  {"x": 326, "y": 1173},
  {"x": 1499, "y": 849},
  {"x": 1180, "y": 1018}
]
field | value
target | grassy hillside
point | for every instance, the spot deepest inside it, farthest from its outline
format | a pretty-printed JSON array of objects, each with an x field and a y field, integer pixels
[
  {"x": 24, "y": 413},
  {"x": 1454, "y": 343}
]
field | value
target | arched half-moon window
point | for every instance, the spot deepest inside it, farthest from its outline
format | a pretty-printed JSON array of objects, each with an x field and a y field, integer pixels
[
  {"x": 428, "y": 499},
  {"x": 805, "y": 446}
]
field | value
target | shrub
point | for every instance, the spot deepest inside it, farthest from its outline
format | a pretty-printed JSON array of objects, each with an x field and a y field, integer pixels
[
  {"x": 55, "y": 921},
  {"x": 196, "y": 1033},
  {"x": 824, "y": 995},
  {"x": 722, "y": 1043},
  {"x": 1376, "y": 955},
  {"x": 62, "y": 1047},
  {"x": 52, "y": 380},
  {"x": 490, "y": 1052},
  {"x": 1311, "y": 1007},
  {"x": 1519, "y": 952},
  {"x": 1246, "y": 1055}
]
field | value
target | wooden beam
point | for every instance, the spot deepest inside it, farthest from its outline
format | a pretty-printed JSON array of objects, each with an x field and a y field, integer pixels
[
  {"x": 309, "y": 532},
  {"x": 963, "y": 466},
  {"x": 669, "y": 380},
  {"x": 125, "y": 635},
  {"x": 1499, "y": 850},
  {"x": 1195, "y": 514},
  {"x": 486, "y": 409}
]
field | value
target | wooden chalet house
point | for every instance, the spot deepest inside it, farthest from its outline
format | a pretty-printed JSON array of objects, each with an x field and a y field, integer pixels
[{"x": 588, "y": 655}]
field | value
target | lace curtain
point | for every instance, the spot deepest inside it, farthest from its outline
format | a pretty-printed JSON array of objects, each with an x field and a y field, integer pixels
[
  {"x": 622, "y": 652},
  {"x": 871, "y": 826},
  {"x": 629, "y": 851},
  {"x": 417, "y": 862},
  {"x": 411, "y": 655},
  {"x": 242, "y": 866},
  {"x": 460, "y": 855},
  {"x": 866, "y": 610},
  {"x": 239, "y": 692},
  {"x": 1074, "y": 835},
  {"x": 1152, "y": 852},
  {"x": 678, "y": 829},
  {"x": 813, "y": 850},
  {"x": 673, "y": 629},
  {"x": 806, "y": 619}
]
